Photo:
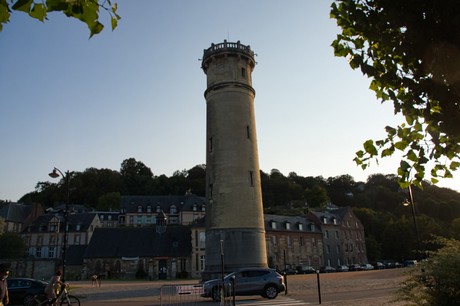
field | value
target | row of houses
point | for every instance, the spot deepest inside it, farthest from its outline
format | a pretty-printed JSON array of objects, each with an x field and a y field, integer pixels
[{"x": 163, "y": 237}]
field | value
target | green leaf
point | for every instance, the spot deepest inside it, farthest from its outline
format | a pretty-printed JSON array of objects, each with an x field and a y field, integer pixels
[
  {"x": 447, "y": 173},
  {"x": 401, "y": 145},
  {"x": 358, "y": 161},
  {"x": 391, "y": 131},
  {"x": 114, "y": 22},
  {"x": 454, "y": 165},
  {"x": 359, "y": 43},
  {"x": 412, "y": 156},
  {"x": 387, "y": 152},
  {"x": 370, "y": 148},
  {"x": 96, "y": 28},
  {"x": 404, "y": 184},
  {"x": 4, "y": 13},
  {"x": 375, "y": 85},
  {"x": 404, "y": 168},
  {"x": 38, "y": 12},
  {"x": 22, "y": 5},
  {"x": 56, "y": 5},
  {"x": 355, "y": 61}
]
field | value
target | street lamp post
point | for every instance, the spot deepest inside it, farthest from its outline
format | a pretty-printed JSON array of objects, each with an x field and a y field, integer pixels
[
  {"x": 66, "y": 176},
  {"x": 412, "y": 205}
]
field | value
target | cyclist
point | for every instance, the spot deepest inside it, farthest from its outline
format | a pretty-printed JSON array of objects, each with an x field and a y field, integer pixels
[{"x": 52, "y": 289}]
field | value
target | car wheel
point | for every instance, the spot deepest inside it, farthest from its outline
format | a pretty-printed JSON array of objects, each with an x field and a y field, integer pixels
[
  {"x": 270, "y": 292},
  {"x": 216, "y": 294},
  {"x": 28, "y": 300}
]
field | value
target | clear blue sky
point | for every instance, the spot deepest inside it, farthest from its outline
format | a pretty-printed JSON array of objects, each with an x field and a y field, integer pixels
[{"x": 71, "y": 102}]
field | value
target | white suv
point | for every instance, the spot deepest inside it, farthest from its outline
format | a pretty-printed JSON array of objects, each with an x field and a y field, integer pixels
[{"x": 249, "y": 281}]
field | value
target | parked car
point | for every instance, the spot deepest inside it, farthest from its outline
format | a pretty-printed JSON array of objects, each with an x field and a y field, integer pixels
[
  {"x": 257, "y": 281},
  {"x": 410, "y": 263},
  {"x": 327, "y": 269},
  {"x": 21, "y": 291},
  {"x": 305, "y": 269},
  {"x": 289, "y": 271},
  {"x": 378, "y": 265},
  {"x": 343, "y": 268},
  {"x": 355, "y": 267},
  {"x": 367, "y": 267},
  {"x": 389, "y": 264}
]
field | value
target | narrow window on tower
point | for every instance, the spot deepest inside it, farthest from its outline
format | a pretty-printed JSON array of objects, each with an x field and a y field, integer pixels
[
  {"x": 248, "y": 132},
  {"x": 251, "y": 178},
  {"x": 210, "y": 191},
  {"x": 243, "y": 73},
  {"x": 210, "y": 144}
]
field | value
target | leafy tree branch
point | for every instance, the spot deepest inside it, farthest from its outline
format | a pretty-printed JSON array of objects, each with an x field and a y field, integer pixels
[
  {"x": 411, "y": 51},
  {"x": 86, "y": 11}
]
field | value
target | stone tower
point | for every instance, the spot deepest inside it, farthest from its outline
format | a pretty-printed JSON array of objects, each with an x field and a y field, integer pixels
[{"x": 234, "y": 215}]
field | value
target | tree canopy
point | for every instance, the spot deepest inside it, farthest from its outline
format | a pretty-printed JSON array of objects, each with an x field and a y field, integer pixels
[
  {"x": 86, "y": 11},
  {"x": 378, "y": 202},
  {"x": 411, "y": 51}
]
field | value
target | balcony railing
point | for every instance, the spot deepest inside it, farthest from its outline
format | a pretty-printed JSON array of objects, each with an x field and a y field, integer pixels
[{"x": 228, "y": 46}]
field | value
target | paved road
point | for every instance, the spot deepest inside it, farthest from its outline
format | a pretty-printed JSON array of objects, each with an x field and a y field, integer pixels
[{"x": 344, "y": 289}]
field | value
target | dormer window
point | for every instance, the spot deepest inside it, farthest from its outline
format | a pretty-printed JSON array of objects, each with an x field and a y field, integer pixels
[
  {"x": 312, "y": 227},
  {"x": 149, "y": 209},
  {"x": 194, "y": 207},
  {"x": 78, "y": 227},
  {"x": 300, "y": 226},
  {"x": 334, "y": 220},
  {"x": 288, "y": 225},
  {"x": 109, "y": 217},
  {"x": 273, "y": 224},
  {"x": 158, "y": 208},
  {"x": 203, "y": 207},
  {"x": 324, "y": 220},
  {"x": 173, "y": 209},
  {"x": 101, "y": 217},
  {"x": 139, "y": 208}
]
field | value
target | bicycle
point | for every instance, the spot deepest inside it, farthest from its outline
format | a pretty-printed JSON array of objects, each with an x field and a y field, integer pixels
[{"x": 63, "y": 298}]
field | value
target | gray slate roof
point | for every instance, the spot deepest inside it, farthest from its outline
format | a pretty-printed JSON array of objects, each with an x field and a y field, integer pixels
[
  {"x": 184, "y": 202},
  {"x": 15, "y": 212},
  {"x": 84, "y": 220},
  {"x": 329, "y": 215},
  {"x": 140, "y": 241},
  {"x": 294, "y": 222}
]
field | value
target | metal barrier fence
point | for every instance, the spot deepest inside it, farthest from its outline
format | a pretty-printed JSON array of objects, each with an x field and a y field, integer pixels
[{"x": 189, "y": 295}]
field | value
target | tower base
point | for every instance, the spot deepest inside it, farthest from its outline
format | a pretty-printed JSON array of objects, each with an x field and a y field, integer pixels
[{"x": 241, "y": 248}]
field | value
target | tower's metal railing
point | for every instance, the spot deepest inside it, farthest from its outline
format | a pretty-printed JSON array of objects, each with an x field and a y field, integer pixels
[{"x": 228, "y": 46}]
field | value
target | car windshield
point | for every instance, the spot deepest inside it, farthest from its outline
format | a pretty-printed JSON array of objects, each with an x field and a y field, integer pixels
[{"x": 229, "y": 275}]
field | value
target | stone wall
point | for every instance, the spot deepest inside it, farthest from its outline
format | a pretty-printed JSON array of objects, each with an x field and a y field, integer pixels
[{"x": 31, "y": 268}]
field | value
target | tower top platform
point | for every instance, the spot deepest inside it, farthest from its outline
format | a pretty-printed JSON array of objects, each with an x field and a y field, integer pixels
[{"x": 227, "y": 48}]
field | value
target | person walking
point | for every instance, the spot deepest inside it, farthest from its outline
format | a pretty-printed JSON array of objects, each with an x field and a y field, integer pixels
[{"x": 4, "y": 272}]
